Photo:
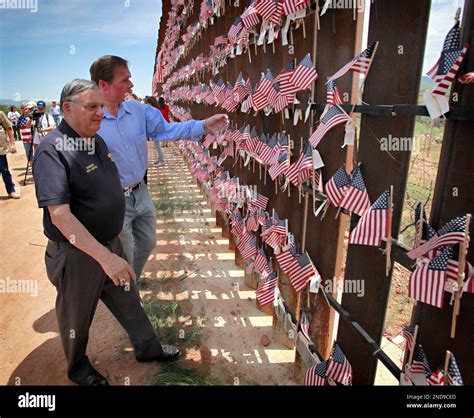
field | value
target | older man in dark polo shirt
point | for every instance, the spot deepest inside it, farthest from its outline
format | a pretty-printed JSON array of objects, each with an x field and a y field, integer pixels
[{"x": 78, "y": 186}]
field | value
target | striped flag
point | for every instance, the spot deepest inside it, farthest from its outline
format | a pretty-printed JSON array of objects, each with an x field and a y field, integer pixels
[
  {"x": 337, "y": 186},
  {"x": 454, "y": 375},
  {"x": 260, "y": 260},
  {"x": 356, "y": 199},
  {"x": 235, "y": 29},
  {"x": 266, "y": 8},
  {"x": 333, "y": 96},
  {"x": 420, "y": 363},
  {"x": 436, "y": 378},
  {"x": 339, "y": 369},
  {"x": 427, "y": 231},
  {"x": 250, "y": 17},
  {"x": 265, "y": 292},
  {"x": 247, "y": 245},
  {"x": 373, "y": 225},
  {"x": 286, "y": 258},
  {"x": 258, "y": 201},
  {"x": 316, "y": 375},
  {"x": 262, "y": 91},
  {"x": 301, "y": 271},
  {"x": 304, "y": 74},
  {"x": 359, "y": 64},
  {"x": 292, "y": 6},
  {"x": 280, "y": 167},
  {"x": 427, "y": 282},
  {"x": 409, "y": 334},
  {"x": 452, "y": 55},
  {"x": 449, "y": 234},
  {"x": 333, "y": 117},
  {"x": 304, "y": 325}
]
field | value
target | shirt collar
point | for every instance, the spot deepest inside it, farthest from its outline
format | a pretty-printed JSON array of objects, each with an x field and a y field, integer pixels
[{"x": 124, "y": 107}]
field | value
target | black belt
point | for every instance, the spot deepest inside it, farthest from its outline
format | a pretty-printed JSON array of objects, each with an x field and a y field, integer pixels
[{"x": 132, "y": 188}]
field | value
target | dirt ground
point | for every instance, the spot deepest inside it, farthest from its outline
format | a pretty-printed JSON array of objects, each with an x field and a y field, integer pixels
[{"x": 191, "y": 266}]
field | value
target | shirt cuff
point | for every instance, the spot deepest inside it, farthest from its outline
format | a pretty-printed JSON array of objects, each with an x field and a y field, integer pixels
[{"x": 198, "y": 130}]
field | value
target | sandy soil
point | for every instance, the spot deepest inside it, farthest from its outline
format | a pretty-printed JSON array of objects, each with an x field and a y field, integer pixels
[{"x": 188, "y": 242}]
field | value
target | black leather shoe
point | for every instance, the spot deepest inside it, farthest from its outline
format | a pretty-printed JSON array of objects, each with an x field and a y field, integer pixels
[
  {"x": 94, "y": 379},
  {"x": 170, "y": 353}
]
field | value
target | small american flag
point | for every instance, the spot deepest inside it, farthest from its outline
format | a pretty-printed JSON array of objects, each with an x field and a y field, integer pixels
[
  {"x": 356, "y": 199},
  {"x": 258, "y": 201},
  {"x": 304, "y": 325},
  {"x": 260, "y": 260},
  {"x": 373, "y": 226},
  {"x": 359, "y": 64},
  {"x": 333, "y": 96},
  {"x": 339, "y": 368},
  {"x": 220, "y": 40},
  {"x": 337, "y": 186},
  {"x": 283, "y": 78},
  {"x": 301, "y": 271},
  {"x": 316, "y": 375},
  {"x": 304, "y": 74},
  {"x": 409, "y": 333},
  {"x": 222, "y": 158},
  {"x": 247, "y": 245},
  {"x": 427, "y": 282},
  {"x": 333, "y": 117},
  {"x": 454, "y": 375},
  {"x": 235, "y": 29},
  {"x": 420, "y": 363},
  {"x": 266, "y": 8},
  {"x": 446, "y": 68},
  {"x": 280, "y": 167},
  {"x": 449, "y": 234},
  {"x": 436, "y": 378},
  {"x": 265, "y": 292},
  {"x": 262, "y": 91},
  {"x": 250, "y": 17},
  {"x": 427, "y": 231},
  {"x": 291, "y": 6},
  {"x": 286, "y": 258}
]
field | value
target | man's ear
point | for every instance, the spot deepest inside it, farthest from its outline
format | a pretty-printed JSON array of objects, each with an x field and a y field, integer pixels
[
  {"x": 67, "y": 108},
  {"x": 102, "y": 84}
]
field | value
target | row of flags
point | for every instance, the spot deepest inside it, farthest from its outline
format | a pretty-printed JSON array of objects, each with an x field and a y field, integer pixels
[
  {"x": 420, "y": 364},
  {"x": 438, "y": 254},
  {"x": 337, "y": 368}
]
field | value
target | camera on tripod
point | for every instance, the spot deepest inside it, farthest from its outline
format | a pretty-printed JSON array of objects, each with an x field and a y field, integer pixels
[{"x": 36, "y": 115}]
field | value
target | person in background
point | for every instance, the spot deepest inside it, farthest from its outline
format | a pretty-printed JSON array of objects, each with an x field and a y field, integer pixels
[
  {"x": 160, "y": 161},
  {"x": 13, "y": 116},
  {"x": 45, "y": 124},
  {"x": 55, "y": 112},
  {"x": 7, "y": 144},
  {"x": 164, "y": 109},
  {"x": 24, "y": 125}
]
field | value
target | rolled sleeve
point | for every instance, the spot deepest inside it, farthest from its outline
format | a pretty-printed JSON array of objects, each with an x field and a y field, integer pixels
[
  {"x": 51, "y": 180},
  {"x": 160, "y": 130}
]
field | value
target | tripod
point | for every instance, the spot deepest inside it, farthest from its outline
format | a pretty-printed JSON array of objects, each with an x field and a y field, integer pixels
[{"x": 34, "y": 130}]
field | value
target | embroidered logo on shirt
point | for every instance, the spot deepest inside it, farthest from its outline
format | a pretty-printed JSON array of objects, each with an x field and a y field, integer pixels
[
  {"x": 110, "y": 156},
  {"x": 91, "y": 167}
]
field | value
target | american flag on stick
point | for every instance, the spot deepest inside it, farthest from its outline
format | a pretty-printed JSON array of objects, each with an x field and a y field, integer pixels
[
  {"x": 316, "y": 375},
  {"x": 250, "y": 17},
  {"x": 359, "y": 64},
  {"x": 427, "y": 282},
  {"x": 235, "y": 29},
  {"x": 247, "y": 245},
  {"x": 373, "y": 225},
  {"x": 454, "y": 375},
  {"x": 337, "y": 186},
  {"x": 301, "y": 270},
  {"x": 333, "y": 117},
  {"x": 449, "y": 234},
  {"x": 333, "y": 96},
  {"x": 291, "y": 6},
  {"x": 262, "y": 91},
  {"x": 304, "y": 74},
  {"x": 452, "y": 55},
  {"x": 339, "y": 369},
  {"x": 283, "y": 78},
  {"x": 265, "y": 292},
  {"x": 356, "y": 199},
  {"x": 436, "y": 378},
  {"x": 420, "y": 363},
  {"x": 409, "y": 333}
]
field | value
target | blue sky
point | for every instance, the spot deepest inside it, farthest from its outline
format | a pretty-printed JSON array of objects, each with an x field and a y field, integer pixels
[{"x": 41, "y": 51}]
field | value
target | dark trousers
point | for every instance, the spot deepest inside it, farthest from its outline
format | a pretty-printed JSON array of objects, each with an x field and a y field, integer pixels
[
  {"x": 7, "y": 177},
  {"x": 81, "y": 282}
]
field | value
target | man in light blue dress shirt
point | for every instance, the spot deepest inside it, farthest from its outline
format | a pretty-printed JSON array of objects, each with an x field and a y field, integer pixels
[{"x": 125, "y": 129}]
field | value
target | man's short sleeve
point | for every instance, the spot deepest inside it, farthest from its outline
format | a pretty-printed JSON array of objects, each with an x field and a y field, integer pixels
[{"x": 51, "y": 179}]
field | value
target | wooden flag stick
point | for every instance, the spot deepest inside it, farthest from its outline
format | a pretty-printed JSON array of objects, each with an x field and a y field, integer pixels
[
  {"x": 276, "y": 185},
  {"x": 265, "y": 175},
  {"x": 446, "y": 365},
  {"x": 412, "y": 351},
  {"x": 461, "y": 266},
  {"x": 317, "y": 15},
  {"x": 388, "y": 245},
  {"x": 368, "y": 69}
]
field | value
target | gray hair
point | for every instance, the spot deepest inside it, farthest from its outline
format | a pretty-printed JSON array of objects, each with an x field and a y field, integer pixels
[{"x": 75, "y": 87}]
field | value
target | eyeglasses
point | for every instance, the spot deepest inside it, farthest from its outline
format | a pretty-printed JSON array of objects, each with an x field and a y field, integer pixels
[{"x": 91, "y": 107}]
